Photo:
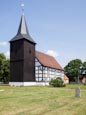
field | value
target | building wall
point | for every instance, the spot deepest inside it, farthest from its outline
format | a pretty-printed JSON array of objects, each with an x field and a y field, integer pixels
[
  {"x": 66, "y": 81},
  {"x": 84, "y": 80},
  {"x": 16, "y": 60},
  {"x": 45, "y": 73},
  {"x": 22, "y": 61},
  {"x": 29, "y": 61}
]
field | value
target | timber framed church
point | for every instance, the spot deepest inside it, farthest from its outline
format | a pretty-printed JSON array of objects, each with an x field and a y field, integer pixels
[{"x": 28, "y": 66}]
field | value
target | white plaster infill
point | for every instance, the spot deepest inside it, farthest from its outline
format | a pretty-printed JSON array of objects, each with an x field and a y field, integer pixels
[{"x": 28, "y": 83}]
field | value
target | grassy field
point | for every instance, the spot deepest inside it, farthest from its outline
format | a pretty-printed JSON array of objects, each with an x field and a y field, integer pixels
[{"x": 42, "y": 100}]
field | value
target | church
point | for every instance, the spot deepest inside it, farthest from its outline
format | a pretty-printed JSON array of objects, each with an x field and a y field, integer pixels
[{"x": 27, "y": 66}]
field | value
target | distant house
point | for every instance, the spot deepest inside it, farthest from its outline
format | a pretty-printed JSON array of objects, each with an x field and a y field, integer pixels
[
  {"x": 47, "y": 68},
  {"x": 66, "y": 79},
  {"x": 83, "y": 77}
]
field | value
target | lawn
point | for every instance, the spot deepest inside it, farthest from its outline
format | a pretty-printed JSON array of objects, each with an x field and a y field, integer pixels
[{"x": 38, "y": 100}]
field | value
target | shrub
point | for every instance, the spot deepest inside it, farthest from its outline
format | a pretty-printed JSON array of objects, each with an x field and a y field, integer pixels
[
  {"x": 84, "y": 83},
  {"x": 58, "y": 82}
]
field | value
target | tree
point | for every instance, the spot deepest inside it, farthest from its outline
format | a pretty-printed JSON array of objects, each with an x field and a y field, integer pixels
[
  {"x": 4, "y": 69},
  {"x": 84, "y": 65},
  {"x": 72, "y": 69},
  {"x": 2, "y": 58}
]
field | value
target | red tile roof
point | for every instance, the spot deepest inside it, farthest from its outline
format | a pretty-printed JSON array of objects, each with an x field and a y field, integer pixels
[
  {"x": 66, "y": 78},
  {"x": 48, "y": 60}
]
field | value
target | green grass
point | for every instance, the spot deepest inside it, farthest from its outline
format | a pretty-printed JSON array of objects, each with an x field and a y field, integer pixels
[{"x": 42, "y": 100}]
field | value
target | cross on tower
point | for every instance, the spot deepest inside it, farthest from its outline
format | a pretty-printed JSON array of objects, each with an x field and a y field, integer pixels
[{"x": 22, "y": 6}]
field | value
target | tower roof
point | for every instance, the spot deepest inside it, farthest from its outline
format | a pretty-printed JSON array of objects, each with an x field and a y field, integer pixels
[{"x": 23, "y": 31}]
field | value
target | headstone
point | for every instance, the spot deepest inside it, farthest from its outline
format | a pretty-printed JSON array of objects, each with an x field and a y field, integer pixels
[{"x": 77, "y": 92}]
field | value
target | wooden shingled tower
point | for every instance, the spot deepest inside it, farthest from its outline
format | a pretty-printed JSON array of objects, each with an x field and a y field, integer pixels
[{"x": 22, "y": 56}]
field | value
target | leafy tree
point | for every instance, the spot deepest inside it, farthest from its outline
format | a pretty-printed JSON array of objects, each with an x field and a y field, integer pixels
[
  {"x": 72, "y": 69},
  {"x": 4, "y": 69},
  {"x": 84, "y": 65},
  {"x": 2, "y": 58}
]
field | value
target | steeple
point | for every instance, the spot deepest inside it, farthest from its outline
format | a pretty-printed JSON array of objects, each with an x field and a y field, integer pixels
[
  {"x": 22, "y": 56},
  {"x": 23, "y": 30},
  {"x": 23, "y": 27}
]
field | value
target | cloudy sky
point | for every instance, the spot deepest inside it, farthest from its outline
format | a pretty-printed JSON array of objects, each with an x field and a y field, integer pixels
[{"x": 57, "y": 26}]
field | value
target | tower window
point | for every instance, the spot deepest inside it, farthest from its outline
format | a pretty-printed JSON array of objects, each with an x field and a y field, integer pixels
[{"x": 30, "y": 51}]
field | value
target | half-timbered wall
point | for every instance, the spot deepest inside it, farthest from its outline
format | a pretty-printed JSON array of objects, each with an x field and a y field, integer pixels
[{"x": 43, "y": 73}]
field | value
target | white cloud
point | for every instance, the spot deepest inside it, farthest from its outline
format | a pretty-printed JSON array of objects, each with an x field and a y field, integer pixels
[
  {"x": 3, "y": 43},
  {"x": 7, "y": 54},
  {"x": 52, "y": 53}
]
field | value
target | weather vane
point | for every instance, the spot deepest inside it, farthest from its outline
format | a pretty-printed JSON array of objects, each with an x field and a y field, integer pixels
[{"x": 22, "y": 6}]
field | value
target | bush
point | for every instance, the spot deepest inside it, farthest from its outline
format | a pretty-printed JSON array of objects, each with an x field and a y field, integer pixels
[
  {"x": 58, "y": 82},
  {"x": 84, "y": 83}
]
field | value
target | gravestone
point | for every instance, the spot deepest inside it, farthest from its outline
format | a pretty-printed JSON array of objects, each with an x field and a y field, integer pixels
[{"x": 77, "y": 92}]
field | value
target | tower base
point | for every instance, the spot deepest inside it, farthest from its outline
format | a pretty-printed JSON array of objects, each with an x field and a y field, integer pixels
[{"x": 28, "y": 83}]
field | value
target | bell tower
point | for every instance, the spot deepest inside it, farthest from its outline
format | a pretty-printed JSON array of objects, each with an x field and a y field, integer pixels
[{"x": 22, "y": 55}]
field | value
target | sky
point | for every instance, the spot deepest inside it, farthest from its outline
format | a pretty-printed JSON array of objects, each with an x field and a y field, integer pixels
[{"x": 57, "y": 26}]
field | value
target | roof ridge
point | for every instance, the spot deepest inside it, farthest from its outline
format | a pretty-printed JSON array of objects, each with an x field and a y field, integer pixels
[
  {"x": 45, "y": 54},
  {"x": 48, "y": 61}
]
